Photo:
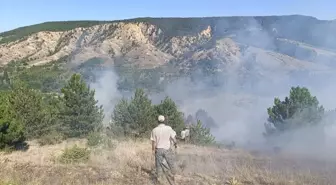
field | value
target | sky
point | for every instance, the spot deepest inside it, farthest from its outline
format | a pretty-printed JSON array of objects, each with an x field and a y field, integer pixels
[{"x": 18, "y": 13}]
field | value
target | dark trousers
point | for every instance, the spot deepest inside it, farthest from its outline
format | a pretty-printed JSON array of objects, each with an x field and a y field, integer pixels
[{"x": 168, "y": 155}]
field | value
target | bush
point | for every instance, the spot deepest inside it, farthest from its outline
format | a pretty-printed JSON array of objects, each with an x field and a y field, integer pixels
[
  {"x": 75, "y": 154},
  {"x": 94, "y": 139},
  {"x": 201, "y": 135},
  {"x": 109, "y": 143},
  {"x": 11, "y": 134},
  {"x": 298, "y": 110},
  {"x": 51, "y": 139},
  {"x": 232, "y": 181}
]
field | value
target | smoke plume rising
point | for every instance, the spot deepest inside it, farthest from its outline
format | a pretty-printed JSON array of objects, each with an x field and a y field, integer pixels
[
  {"x": 106, "y": 92},
  {"x": 239, "y": 105}
]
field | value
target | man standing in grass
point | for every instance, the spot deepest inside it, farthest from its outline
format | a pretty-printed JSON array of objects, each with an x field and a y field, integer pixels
[{"x": 161, "y": 138}]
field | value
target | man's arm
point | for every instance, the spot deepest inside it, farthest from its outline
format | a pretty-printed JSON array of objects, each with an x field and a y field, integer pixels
[
  {"x": 153, "y": 146},
  {"x": 153, "y": 142},
  {"x": 173, "y": 138}
]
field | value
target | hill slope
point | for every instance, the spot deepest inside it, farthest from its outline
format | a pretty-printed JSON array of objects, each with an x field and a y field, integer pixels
[
  {"x": 129, "y": 162},
  {"x": 286, "y": 42}
]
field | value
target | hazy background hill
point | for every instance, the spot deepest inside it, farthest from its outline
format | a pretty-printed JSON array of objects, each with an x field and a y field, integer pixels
[{"x": 245, "y": 47}]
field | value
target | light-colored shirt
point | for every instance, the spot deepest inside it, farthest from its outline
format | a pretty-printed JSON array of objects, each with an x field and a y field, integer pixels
[
  {"x": 184, "y": 133},
  {"x": 162, "y": 135}
]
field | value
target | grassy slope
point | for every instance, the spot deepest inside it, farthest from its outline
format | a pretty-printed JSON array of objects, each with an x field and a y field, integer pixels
[{"x": 129, "y": 162}]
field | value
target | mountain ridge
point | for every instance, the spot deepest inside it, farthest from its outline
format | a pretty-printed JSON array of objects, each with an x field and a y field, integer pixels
[{"x": 290, "y": 42}]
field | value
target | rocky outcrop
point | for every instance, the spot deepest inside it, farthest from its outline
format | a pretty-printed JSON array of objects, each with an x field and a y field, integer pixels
[{"x": 148, "y": 45}]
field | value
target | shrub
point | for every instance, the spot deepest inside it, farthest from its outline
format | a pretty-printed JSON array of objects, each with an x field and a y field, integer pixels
[
  {"x": 94, "y": 139},
  {"x": 232, "y": 181},
  {"x": 11, "y": 134},
  {"x": 75, "y": 154},
  {"x": 109, "y": 143},
  {"x": 201, "y": 135},
  {"x": 51, "y": 139}
]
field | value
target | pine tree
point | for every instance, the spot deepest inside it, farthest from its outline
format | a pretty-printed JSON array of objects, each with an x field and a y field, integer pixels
[
  {"x": 80, "y": 113},
  {"x": 11, "y": 130},
  {"x": 173, "y": 116},
  {"x": 136, "y": 116},
  {"x": 201, "y": 135},
  {"x": 142, "y": 113},
  {"x": 121, "y": 117},
  {"x": 27, "y": 108},
  {"x": 298, "y": 110}
]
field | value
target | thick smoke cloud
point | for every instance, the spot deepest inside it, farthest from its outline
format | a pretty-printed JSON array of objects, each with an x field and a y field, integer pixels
[{"x": 239, "y": 106}]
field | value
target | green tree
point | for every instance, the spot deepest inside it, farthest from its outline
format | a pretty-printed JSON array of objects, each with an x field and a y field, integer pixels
[
  {"x": 298, "y": 110},
  {"x": 27, "y": 108},
  {"x": 169, "y": 109},
  {"x": 201, "y": 135},
  {"x": 11, "y": 131},
  {"x": 52, "y": 106},
  {"x": 121, "y": 117},
  {"x": 80, "y": 113},
  {"x": 136, "y": 116}
]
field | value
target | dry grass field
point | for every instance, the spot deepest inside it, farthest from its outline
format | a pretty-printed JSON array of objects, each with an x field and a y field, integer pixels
[{"x": 131, "y": 162}]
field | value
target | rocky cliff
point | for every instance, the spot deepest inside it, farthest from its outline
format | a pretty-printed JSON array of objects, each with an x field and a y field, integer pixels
[{"x": 271, "y": 43}]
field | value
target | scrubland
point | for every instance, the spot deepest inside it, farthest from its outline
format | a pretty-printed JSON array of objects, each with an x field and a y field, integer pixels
[{"x": 131, "y": 162}]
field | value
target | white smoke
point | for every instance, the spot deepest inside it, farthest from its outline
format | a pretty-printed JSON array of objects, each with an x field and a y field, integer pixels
[
  {"x": 239, "y": 107},
  {"x": 106, "y": 92}
]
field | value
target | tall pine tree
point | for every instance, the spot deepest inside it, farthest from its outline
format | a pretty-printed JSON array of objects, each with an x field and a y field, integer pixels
[
  {"x": 27, "y": 107},
  {"x": 80, "y": 112},
  {"x": 142, "y": 113},
  {"x": 11, "y": 130},
  {"x": 173, "y": 116},
  {"x": 136, "y": 116}
]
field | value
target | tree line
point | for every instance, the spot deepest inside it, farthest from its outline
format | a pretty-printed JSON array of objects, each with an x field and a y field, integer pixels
[{"x": 30, "y": 114}]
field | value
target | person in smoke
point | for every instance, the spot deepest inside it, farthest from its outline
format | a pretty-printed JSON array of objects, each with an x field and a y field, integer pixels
[
  {"x": 185, "y": 134},
  {"x": 161, "y": 137}
]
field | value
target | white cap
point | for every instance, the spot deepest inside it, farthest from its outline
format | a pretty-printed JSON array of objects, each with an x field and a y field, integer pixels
[{"x": 161, "y": 118}]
